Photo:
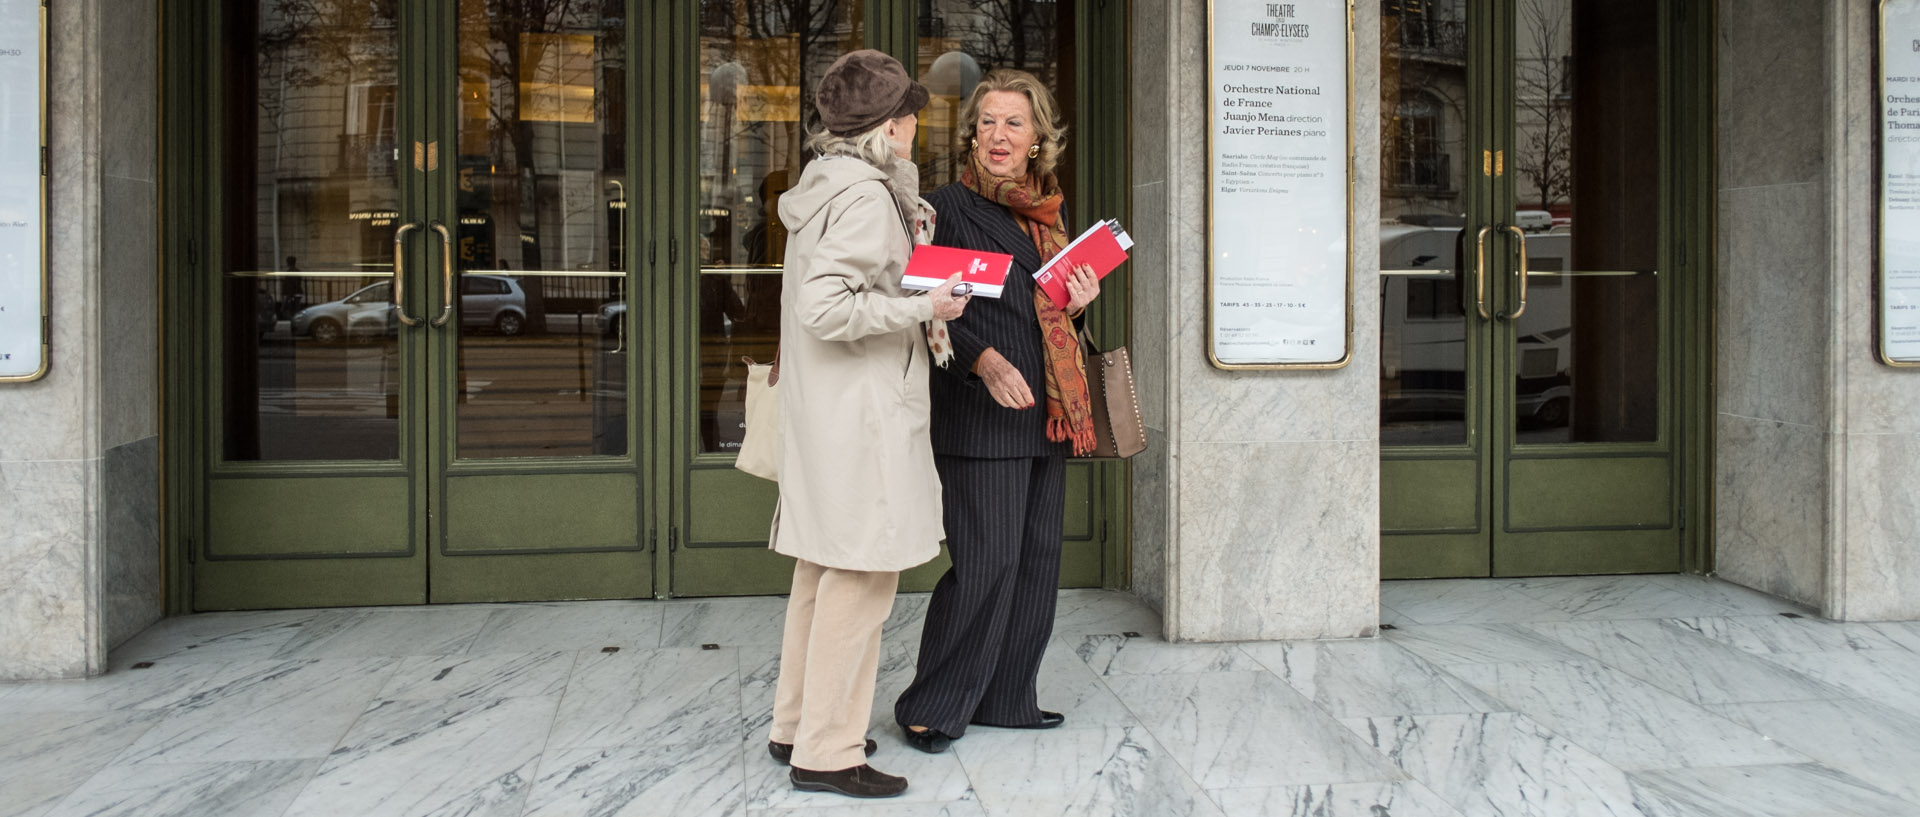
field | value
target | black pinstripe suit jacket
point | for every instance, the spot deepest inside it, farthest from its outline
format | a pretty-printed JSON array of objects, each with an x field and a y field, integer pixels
[{"x": 966, "y": 420}]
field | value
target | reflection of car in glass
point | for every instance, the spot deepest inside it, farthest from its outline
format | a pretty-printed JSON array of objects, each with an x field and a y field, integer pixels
[
  {"x": 612, "y": 314},
  {"x": 486, "y": 301},
  {"x": 1424, "y": 331},
  {"x": 493, "y": 301},
  {"x": 367, "y": 313}
]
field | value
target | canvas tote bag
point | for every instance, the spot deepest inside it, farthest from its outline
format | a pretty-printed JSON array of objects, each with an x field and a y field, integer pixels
[{"x": 760, "y": 447}]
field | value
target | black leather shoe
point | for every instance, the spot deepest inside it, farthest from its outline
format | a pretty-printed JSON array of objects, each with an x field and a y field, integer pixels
[
  {"x": 783, "y": 752},
  {"x": 929, "y": 740},
  {"x": 859, "y": 781},
  {"x": 1048, "y": 720}
]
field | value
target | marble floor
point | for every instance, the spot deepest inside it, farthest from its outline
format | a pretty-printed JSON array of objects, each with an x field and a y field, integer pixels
[{"x": 1650, "y": 695}]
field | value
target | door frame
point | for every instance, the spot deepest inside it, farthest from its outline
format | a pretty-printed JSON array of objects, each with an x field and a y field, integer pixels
[
  {"x": 661, "y": 219},
  {"x": 703, "y": 518},
  {"x": 1686, "y": 199}
]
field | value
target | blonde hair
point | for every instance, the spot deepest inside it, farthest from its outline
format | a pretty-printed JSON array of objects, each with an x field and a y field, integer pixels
[
  {"x": 872, "y": 147},
  {"x": 1046, "y": 114}
]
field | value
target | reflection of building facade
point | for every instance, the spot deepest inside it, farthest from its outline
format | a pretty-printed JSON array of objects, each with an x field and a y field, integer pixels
[
  {"x": 546, "y": 409},
  {"x": 1423, "y": 48}
]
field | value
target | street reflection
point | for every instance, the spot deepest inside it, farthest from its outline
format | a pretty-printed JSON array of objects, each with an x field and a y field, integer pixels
[{"x": 1585, "y": 352}]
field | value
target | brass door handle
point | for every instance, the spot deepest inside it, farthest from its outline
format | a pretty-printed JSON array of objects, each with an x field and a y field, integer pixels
[
  {"x": 1480, "y": 273},
  {"x": 446, "y": 274},
  {"x": 1522, "y": 234},
  {"x": 400, "y": 273}
]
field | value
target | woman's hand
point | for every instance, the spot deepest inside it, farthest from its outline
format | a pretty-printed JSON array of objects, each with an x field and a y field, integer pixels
[
  {"x": 1003, "y": 381},
  {"x": 1082, "y": 287},
  {"x": 946, "y": 307}
]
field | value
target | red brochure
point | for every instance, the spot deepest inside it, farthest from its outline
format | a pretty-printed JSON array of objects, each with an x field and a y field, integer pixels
[
  {"x": 930, "y": 266},
  {"x": 1103, "y": 247}
]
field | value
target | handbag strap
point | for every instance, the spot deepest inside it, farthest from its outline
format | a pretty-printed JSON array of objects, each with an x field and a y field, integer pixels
[
  {"x": 1086, "y": 342},
  {"x": 773, "y": 375}
]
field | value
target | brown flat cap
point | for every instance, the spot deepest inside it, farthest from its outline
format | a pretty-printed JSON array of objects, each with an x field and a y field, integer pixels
[{"x": 863, "y": 89}]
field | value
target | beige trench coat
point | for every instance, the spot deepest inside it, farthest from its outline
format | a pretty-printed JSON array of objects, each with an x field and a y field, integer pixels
[{"x": 858, "y": 490}]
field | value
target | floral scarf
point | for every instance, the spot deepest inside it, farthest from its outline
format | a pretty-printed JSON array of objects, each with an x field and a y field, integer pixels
[{"x": 1035, "y": 202}]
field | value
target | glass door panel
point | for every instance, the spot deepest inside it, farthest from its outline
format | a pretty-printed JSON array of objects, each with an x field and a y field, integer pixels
[
  {"x": 308, "y": 495},
  {"x": 540, "y": 496},
  {"x": 541, "y": 198},
  {"x": 1587, "y": 347},
  {"x": 1588, "y": 482},
  {"x": 757, "y": 74},
  {"x": 309, "y": 140},
  {"x": 957, "y": 42},
  {"x": 757, "y": 65},
  {"x": 1525, "y": 406},
  {"x": 1433, "y": 340}
]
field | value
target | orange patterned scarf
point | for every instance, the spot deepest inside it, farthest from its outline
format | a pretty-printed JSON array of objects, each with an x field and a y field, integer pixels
[{"x": 1035, "y": 202}]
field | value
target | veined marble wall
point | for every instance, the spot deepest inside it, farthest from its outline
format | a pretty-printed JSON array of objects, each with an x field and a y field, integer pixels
[
  {"x": 1774, "y": 418},
  {"x": 1875, "y": 566},
  {"x": 49, "y": 445},
  {"x": 1818, "y": 443},
  {"x": 129, "y": 315},
  {"x": 79, "y": 450},
  {"x": 1256, "y": 508}
]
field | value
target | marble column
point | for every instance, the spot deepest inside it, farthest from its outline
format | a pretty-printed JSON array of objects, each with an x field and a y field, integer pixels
[
  {"x": 1256, "y": 506},
  {"x": 1818, "y": 444},
  {"x": 1773, "y": 418},
  {"x": 79, "y": 449},
  {"x": 1874, "y": 569}
]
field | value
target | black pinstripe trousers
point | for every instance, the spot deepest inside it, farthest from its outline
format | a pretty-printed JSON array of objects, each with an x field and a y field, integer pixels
[{"x": 991, "y": 614}]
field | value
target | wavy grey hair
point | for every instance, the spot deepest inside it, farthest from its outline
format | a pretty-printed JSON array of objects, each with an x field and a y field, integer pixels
[{"x": 872, "y": 147}]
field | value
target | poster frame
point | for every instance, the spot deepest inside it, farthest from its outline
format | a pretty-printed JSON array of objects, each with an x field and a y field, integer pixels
[
  {"x": 46, "y": 300},
  {"x": 1346, "y": 356},
  {"x": 1880, "y": 199}
]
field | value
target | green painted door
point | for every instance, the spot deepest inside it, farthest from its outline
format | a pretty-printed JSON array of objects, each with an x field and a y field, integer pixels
[
  {"x": 479, "y": 275},
  {"x": 1531, "y": 243},
  {"x": 740, "y": 104},
  {"x": 424, "y": 220}
]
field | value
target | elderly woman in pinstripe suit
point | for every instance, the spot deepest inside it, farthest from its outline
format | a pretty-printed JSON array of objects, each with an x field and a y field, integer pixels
[{"x": 1001, "y": 454}]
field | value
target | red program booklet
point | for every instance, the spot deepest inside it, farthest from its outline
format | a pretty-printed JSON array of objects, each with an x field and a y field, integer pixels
[
  {"x": 1103, "y": 247},
  {"x": 930, "y": 266}
]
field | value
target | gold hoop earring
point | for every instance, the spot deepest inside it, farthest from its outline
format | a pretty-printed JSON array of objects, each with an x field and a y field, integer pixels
[
  {"x": 1033, "y": 151},
  {"x": 973, "y": 143}
]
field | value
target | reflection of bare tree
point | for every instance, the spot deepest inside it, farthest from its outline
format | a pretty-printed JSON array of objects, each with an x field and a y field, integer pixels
[
  {"x": 1006, "y": 34},
  {"x": 1544, "y": 77}
]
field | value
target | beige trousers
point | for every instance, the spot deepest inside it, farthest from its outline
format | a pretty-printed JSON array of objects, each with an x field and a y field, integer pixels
[{"x": 829, "y": 656}]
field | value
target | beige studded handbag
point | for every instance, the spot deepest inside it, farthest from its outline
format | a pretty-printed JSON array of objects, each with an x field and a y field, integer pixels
[{"x": 1117, "y": 427}]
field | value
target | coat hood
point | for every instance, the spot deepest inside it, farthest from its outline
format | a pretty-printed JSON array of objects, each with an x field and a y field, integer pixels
[{"x": 824, "y": 178}]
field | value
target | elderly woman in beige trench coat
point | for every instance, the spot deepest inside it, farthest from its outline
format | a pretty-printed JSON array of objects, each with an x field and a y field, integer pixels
[{"x": 859, "y": 498}]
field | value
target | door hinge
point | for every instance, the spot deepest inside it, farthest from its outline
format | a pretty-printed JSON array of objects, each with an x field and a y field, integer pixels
[
  {"x": 673, "y": 538},
  {"x": 1486, "y": 163},
  {"x": 673, "y": 251},
  {"x": 1683, "y": 517},
  {"x": 652, "y": 246},
  {"x": 45, "y": 162},
  {"x": 193, "y": 254}
]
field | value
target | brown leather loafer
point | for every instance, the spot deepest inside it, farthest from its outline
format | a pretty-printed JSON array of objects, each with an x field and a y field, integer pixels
[
  {"x": 783, "y": 752},
  {"x": 859, "y": 781}
]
